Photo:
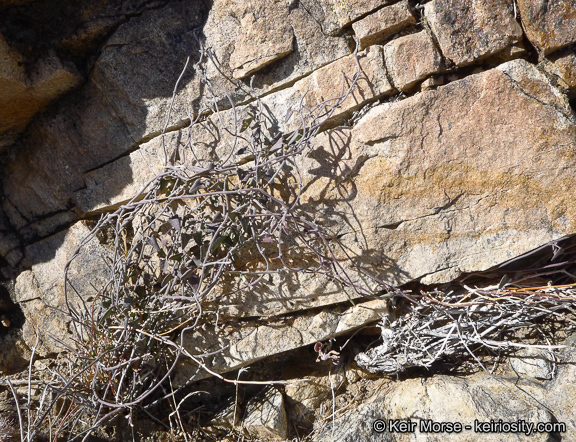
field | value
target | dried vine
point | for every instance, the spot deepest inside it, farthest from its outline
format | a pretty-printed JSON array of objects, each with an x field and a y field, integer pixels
[
  {"x": 466, "y": 322},
  {"x": 237, "y": 216}
]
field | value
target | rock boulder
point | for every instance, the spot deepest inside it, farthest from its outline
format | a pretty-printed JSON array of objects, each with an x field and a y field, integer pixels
[{"x": 421, "y": 189}]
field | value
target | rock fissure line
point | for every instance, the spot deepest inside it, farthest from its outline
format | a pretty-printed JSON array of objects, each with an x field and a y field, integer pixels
[{"x": 516, "y": 85}]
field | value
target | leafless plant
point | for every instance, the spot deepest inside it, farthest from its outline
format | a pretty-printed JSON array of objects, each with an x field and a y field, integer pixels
[
  {"x": 464, "y": 323},
  {"x": 8, "y": 431},
  {"x": 198, "y": 221}
]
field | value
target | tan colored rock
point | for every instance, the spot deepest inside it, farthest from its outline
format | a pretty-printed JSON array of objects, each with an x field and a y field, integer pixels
[
  {"x": 433, "y": 211},
  {"x": 432, "y": 82},
  {"x": 314, "y": 48},
  {"x": 350, "y": 10},
  {"x": 468, "y": 31},
  {"x": 56, "y": 152},
  {"x": 265, "y": 36},
  {"x": 412, "y": 58},
  {"x": 330, "y": 82},
  {"x": 265, "y": 417},
  {"x": 51, "y": 78},
  {"x": 306, "y": 398},
  {"x": 335, "y": 14},
  {"x": 534, "y": 362},
  {"x": 243, "y": 343},
  {"x": 450, "y": 180},
  {"x": 138, "y": 67},
  {"x": 445, "y": 399},
  {"x": 127, "y": 175},
  {"x": 563, "y": 66},
  {"x": 514, "y": 52},
  {"x": 40, "y": 290},
  {"x": 383, "y": 24},
  {"x": 282, "y": 293},
  {"x": 549, "y": 25},
  {"x": 118, "y": 182},
  {"x": 124, "y": 104}
]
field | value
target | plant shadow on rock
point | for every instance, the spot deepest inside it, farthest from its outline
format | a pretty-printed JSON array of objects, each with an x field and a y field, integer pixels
[
  {"x": 332, "y": 168},
  {"x": 170, "y": 247}
]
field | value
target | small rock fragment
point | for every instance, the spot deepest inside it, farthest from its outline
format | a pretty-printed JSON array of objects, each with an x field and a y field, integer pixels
[
  {"x": 383, "y": 24},
  {"x": 549, "y": 25},
  {"x": 412, "y": 58},
  {"x": 563, "y": 66},
  {"x": 533, "y": 362},
  {"x": 333, "y": 15},
  {"x": 468, "y": 31}
]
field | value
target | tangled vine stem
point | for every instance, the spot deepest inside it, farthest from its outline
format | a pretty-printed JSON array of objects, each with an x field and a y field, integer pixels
[
  {"x": 198, "y": 221},
  {"x": 450, "y": 324},
  {"x": 521, "y": 312}
]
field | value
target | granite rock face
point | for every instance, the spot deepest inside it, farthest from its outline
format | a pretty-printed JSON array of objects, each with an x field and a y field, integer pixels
[
  {"x": 126, "y": 99},
  {"x": 123, "y": 104},
  {"x": 46, "y": 48},
  {"x": 536, "y": 363},
  {"x": 335, "y": 14},
  {"x": 480, "y": 397},
  {"x": 40, "y": 290},
  {"x": 265, "y": 36},
  {"x": 549, "y": 25},
  {"x": 434, "y": 192},
  {"x": 411, "y": 59},
  {"x": 447, "y": 158},
  {"x": 333, "y": 81},
  {"x": 212, "y": 141},
  {"x": 290, "y": 40},
  {"x": 383, "y": 24},
  {"x": 468, "y": 31}
]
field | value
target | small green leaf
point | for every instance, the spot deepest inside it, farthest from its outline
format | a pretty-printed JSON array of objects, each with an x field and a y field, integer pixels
[
  {"x": 198, "y": 237},
  {"x": 246, "y": 124},
  {"x": 177, "y": 257}
]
